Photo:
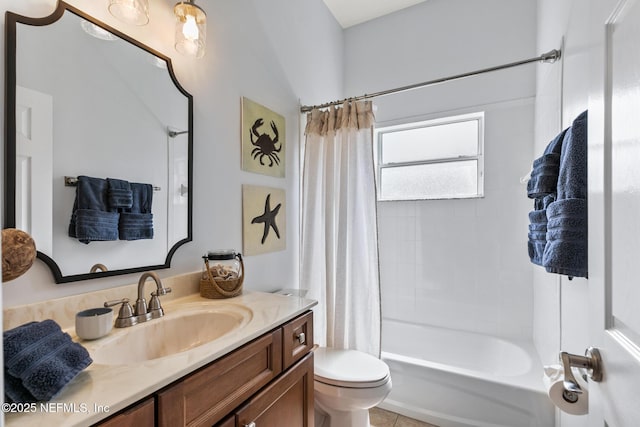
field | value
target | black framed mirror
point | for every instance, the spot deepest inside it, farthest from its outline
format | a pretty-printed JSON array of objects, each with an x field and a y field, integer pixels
[{"x": 84, "y": 100}]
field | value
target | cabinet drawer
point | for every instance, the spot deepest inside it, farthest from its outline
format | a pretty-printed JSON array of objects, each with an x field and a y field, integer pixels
[
  {"x": 140, "y": 415},
  {"x": 288, "y": 401},
  {"x": 208, "y": 395},
  {"x": 297, "y": 339}
]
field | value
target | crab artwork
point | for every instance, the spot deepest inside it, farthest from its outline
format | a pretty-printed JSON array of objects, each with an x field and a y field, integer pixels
[{"x": 265, "y": 145}]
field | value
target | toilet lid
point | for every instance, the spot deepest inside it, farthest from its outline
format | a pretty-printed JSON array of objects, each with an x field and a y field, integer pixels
[{"x": 349, "y": 368}]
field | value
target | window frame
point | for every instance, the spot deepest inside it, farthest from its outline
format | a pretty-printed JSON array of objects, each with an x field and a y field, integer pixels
[{"x": 379, "y": 132}]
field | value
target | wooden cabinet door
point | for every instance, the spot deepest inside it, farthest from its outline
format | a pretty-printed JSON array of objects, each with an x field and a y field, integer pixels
[
  {"x": 210, "y": 394},
  {"x": 297, "y": 339},
  {"x": 140, "y": 415},
  {"x": 288, "y": 401}
]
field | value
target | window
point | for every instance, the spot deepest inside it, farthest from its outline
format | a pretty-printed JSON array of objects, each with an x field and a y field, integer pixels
[{"x": 435, "y": 159}]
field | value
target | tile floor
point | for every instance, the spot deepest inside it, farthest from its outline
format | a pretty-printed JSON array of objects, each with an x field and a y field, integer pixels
[{"x": 381, "y": 418}]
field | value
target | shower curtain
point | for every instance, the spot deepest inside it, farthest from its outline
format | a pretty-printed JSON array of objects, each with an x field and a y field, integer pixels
[{"x": 339, "y": 259}]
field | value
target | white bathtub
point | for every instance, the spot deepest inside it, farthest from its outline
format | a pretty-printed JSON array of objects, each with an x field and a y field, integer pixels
[{"x": 460, "y": 379}]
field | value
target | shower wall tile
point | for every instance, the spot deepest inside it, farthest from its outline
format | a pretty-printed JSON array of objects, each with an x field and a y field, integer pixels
[{"x": 463, "y": 264}]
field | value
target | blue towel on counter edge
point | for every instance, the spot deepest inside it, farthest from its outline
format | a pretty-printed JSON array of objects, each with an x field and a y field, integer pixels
[{"x": 40, "y": 360}]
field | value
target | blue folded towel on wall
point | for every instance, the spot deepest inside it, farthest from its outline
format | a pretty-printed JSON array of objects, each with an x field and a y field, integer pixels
[
  {"x": 137, "y": 223},
  {"x": 563, "y": 248},
  {"x": 91, "y": 218},
  {"x": 537, "y": 235},
  {"x": 111, "y": 209},
  {"x": 119, "y": 194},
  {"x": 546, "y": 168},
  {"x": 39, "y": 361},
  {"x": 567, "y": 228}
]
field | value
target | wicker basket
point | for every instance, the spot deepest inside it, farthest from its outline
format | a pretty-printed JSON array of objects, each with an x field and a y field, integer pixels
[{"x": 217, "y": 289}]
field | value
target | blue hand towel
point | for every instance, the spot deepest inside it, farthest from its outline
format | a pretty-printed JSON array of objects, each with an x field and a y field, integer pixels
[
  {"x": 15, "y": 392},
  {"x": 119, "y": 194},
  {"x": 137, "y": 223},
  {"x": 572, "y": 180},
  {"x": 544, "y": 176},
  {"x": 92, "y": 225},
  {"x": 91, "y": 218},
  {"x": 537, "y": 235},
  {"x": 566, "y": 249},
  {"x": 40, "y": 360},
  {"x": 567, "y": 226}
]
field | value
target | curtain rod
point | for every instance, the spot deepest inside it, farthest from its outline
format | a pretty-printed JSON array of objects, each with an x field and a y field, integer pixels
[{"x": 550, "y": 57}]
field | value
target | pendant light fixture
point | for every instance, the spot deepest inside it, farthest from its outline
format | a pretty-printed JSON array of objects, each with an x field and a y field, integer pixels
[
  {"x": 135, "y": 12},
  {"x": 191, "y": 29}
]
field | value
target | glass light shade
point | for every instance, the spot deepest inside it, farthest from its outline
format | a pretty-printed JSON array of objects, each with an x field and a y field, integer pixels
[
  {"x": 191, "y": 29},
  {"x": 134, "y": 12}
]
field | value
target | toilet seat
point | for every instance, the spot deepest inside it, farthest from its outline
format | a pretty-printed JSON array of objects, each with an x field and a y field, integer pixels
[{"x": 349, "y": 368}]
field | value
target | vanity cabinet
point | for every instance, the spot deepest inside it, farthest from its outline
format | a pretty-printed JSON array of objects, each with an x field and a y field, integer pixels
[
  {"x": 139, "y": 415},
  {"x": 268, "y": 381},
  {"x": 288, "y": 401},
  {"x": 209, "y": 394}
]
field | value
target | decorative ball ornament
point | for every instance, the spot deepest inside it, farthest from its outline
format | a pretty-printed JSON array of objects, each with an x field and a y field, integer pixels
[{"x": 18, "y": 253}]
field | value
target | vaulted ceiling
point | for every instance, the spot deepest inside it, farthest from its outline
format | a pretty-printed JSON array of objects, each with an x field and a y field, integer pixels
[{"x": 352, "y": 12}]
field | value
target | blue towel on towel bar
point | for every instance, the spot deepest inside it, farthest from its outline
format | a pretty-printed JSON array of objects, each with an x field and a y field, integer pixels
[
  {"x": 91, "y": 218},
  {"x": 137, "y": 223},
  {"x": 567, "y": 228},
  {"x": 544, "y": 175},
  {"x": 119, "y": 194},
  {"x": 40, "y": 360},
  {"x": 567, "y": 225},
  {"x": 563, "y": 248}
]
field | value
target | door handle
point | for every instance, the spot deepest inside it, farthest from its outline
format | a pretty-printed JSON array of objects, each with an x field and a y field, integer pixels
[{"x": 592, "y": 361}]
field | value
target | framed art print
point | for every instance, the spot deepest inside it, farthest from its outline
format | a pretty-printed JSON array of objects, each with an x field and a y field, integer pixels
[
  {"x": 263, "y": 140},
  {"x": 263, "y": 219}
]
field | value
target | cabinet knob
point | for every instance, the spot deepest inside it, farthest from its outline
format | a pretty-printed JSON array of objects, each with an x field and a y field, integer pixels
[
  {"x": 302, "y": 339},
  {"x": 251, "y": 424}
]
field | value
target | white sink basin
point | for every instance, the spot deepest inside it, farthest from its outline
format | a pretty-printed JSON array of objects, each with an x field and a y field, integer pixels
[{"x": 173, "y": 333}]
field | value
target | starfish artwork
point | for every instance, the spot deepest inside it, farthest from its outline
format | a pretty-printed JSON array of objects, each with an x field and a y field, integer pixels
[{"x": 268, "y": 218}]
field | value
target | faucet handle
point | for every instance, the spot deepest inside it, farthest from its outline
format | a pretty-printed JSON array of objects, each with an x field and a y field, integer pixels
[
  {"x": 125, "y": 315},
  {"x": 160, "y": 292},
  {"x": 155, "y": 308}
]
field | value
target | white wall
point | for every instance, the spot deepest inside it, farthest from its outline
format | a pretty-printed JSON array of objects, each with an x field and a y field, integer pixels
[
  {"x": 460, "y": 264},
  {"x": 276, "y": 53},
  {"x": 561, "y": 305}
]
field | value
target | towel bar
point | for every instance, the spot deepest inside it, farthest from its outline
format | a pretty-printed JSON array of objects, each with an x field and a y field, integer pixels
[{"x": 72, "y": 181}]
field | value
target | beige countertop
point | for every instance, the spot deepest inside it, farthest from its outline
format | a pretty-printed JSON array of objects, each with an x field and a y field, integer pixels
[{"x": 102, "y": 390}]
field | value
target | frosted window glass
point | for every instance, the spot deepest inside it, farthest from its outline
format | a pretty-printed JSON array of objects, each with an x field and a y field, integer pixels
[
  {"x": 430, "y": 181},
  {"x": 443, "y": 141}
]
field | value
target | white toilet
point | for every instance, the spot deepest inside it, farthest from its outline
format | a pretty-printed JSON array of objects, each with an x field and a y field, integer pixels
[{"x": 347, "y": 384}]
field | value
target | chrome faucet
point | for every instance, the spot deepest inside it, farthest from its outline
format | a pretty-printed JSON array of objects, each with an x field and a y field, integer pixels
[{"x": 128, "y": 317}]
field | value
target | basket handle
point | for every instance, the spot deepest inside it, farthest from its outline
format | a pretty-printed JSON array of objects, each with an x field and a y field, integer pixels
[{"x": 227, "y": 294}]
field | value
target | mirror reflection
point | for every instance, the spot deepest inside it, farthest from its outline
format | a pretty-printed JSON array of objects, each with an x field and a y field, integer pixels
[{"x": 91, "y": 103}]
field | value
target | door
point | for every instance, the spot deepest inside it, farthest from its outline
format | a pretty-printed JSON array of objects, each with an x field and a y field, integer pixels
[
  {"x": 614, "y": 210},
  {"x": 34, "y": 165}
]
